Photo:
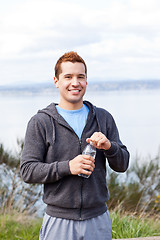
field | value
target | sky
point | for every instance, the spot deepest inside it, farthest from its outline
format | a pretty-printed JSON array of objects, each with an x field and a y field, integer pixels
[{"x": 118, "y": 39}]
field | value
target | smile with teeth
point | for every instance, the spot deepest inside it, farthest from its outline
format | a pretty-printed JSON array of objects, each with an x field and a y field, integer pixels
[{"x": 74, "y": 90}]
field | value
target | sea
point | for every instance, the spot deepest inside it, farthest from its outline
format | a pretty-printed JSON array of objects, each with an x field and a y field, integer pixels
[{"x": 136, "y": 113}]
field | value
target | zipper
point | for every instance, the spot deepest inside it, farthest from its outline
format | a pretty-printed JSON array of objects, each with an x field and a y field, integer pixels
[
  {"x": 80, "y": 215},
  {"x": 80, "y": 212},
  {"x": 82, "y": 179}
]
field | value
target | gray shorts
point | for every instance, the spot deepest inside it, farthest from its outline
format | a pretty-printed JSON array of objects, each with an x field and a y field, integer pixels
[{"x": 98, "y": 228}]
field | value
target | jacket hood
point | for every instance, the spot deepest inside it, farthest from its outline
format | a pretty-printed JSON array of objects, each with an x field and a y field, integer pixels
[{"x": 52, "y": 111}]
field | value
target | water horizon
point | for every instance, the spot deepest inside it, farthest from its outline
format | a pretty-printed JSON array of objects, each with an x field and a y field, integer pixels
[{"x": 135, "y": 112}]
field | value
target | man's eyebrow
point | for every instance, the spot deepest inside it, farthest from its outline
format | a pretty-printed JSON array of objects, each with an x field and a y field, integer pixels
[
  {"x": 81, "y": 74},
  {"x": 68, "y": 74}
]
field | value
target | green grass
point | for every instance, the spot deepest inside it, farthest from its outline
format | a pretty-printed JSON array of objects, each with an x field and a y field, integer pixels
[
  {"x": 19, "y": 227},
  {"x": 129, "y": 226}
]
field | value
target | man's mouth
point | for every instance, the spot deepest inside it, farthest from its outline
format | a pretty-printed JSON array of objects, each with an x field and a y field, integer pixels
[{"x": 75, "y": 90}]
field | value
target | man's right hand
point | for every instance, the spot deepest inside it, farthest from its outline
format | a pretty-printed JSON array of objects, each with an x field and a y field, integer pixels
[{"x": 81, "y": 164}]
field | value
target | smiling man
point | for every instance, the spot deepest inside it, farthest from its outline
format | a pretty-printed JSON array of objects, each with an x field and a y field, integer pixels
[
  {"x": 52, "y": 155},
  {"x": 72, "y": 82}
]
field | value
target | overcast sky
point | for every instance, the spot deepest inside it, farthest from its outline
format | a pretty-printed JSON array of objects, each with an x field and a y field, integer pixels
[{"x": 119, "y": 40}]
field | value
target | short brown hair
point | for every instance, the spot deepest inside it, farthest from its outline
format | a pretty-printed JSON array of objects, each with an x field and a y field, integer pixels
[{"x": 68, "y": 57}]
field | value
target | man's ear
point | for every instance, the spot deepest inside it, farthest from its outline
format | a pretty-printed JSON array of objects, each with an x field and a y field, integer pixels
[{"x": 56, "y": 82}]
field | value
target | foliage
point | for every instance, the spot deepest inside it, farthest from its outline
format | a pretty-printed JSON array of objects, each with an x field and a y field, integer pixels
[
  {"x": 18, "y": 227},
  {"x": 129, "y": 226},
  {"x": 7, "y": 158},
  {"x": 15, "y": 195},
  {"x": 137, "y": 190},
  {"x": 124, "y": 225}
]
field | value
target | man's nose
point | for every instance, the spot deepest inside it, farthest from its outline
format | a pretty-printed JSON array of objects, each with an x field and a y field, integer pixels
[{"x": 75, "y": 81}]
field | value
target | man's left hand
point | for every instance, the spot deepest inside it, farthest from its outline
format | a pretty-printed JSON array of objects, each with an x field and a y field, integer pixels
[{"x": 99, "y": 140}]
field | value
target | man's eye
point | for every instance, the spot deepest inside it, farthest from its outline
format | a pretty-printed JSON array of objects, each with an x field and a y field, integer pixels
[
  {"x": 81, "y": 77},
  {"x": 68, "y": 77}
]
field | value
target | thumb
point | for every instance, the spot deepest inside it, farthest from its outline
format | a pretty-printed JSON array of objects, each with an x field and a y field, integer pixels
[{"x": 88, "y": 140}]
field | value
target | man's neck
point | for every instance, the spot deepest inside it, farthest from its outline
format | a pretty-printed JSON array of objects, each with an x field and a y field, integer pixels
[{"x": 71, "y": 106}]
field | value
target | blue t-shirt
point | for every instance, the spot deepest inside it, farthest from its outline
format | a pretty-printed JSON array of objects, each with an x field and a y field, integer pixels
[{"x": 75, "y": 118}]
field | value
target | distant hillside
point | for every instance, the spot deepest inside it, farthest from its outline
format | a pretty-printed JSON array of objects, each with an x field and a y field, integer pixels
[
  {"x": 125, "y": 85},
  {"x": 47, "y": 88}
]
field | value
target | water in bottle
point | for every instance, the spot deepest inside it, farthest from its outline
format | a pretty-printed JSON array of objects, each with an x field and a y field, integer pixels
[{"x": 88, "y": 150}]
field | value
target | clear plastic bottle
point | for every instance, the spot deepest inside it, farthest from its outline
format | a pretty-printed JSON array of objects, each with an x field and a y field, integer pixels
[{"x": 88, "y": 150}]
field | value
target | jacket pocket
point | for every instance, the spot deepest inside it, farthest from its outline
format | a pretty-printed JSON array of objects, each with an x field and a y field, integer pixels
[
  {"x": 95, "y": 192},
  {"x": 64, "y": 193}
]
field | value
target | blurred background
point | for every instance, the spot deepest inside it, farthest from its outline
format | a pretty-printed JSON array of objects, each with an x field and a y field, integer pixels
[{"x": 120, "y": 42}]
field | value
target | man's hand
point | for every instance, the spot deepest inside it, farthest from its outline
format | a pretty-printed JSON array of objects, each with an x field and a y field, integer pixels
[
  {"x": 80, "y": 163},
  {"x": 99, "y": 140}
]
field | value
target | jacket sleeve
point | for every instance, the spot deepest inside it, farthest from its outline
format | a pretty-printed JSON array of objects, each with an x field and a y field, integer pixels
[
  {"x": 117, "y": 155},
  {"x": 33, "y": 167}
]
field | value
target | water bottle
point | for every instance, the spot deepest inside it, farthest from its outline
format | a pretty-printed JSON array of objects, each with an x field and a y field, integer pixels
[{"x": 88, "y": 150}]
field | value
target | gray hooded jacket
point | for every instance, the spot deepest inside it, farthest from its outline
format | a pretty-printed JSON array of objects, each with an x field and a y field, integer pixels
[{"x": 49, "y": 145}]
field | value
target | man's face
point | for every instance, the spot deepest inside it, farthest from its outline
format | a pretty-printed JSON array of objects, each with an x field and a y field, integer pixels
[{"x": 72, "y": 84}]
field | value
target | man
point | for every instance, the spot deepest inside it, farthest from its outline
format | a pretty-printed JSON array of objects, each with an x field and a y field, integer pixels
[{"x": 52, "y": 155}]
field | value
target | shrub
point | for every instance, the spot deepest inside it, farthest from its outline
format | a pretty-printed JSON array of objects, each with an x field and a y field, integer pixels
[
  {"x": 15, "y": 195},
  {"x": 138, "y": 189}
]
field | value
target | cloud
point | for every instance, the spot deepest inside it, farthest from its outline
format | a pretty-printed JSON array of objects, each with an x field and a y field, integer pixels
[{"x": 110, "y": 36}]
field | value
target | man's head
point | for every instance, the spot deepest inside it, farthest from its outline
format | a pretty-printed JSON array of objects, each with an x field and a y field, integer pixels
[
  {"x": 71, "y": 80},
  {"x": 68, "y": 57}
]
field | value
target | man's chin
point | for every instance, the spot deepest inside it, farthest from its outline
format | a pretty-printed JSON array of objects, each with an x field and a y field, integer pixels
[{"x": 76, "y": 101}]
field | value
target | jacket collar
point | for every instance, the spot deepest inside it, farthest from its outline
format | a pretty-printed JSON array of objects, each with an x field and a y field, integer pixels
[{"x": 52, "y": 111}]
